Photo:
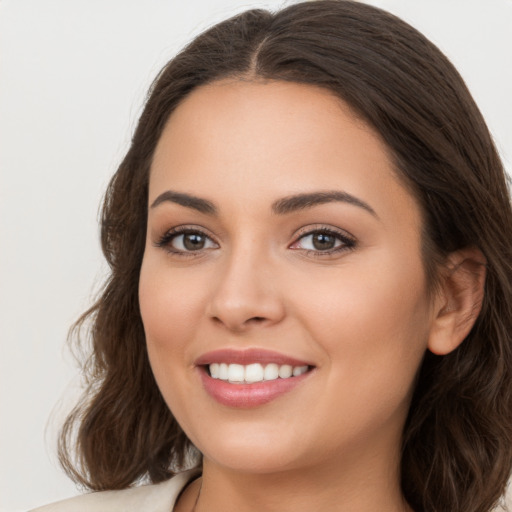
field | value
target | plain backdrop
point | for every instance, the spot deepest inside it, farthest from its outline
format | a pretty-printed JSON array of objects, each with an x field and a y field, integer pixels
[{"x": 73, "y": 74}]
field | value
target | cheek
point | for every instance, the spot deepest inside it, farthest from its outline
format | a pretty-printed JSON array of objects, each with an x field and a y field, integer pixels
[
  {"x": 170, "y": 304},
  {"x": 373, "y": 332},
  {"x": 168, "y": 299},
  {"x": 371, "y": 318}
]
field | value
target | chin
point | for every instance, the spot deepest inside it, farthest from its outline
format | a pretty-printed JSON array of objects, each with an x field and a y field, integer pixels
[
  {"x": 252, "y": 452},
  {"x": 252, "y": 460}
]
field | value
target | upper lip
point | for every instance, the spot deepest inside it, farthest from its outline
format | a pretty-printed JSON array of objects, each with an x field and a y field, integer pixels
[{"x": 248, "y": 356}]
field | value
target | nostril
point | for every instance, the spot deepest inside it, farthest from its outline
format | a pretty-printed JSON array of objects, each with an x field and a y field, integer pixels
[{"x": 239, "y": 324}]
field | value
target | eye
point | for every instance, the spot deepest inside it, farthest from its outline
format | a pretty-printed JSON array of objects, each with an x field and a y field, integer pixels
[
  {"x": 185, "y": 240},
  {"x": 320, "y": 242},
  {"x": 191, "y": 242},
  {"x": 323, "y": 241}
]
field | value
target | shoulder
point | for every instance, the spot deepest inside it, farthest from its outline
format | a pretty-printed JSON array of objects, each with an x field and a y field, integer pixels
[{"x": 149, "y": 498}]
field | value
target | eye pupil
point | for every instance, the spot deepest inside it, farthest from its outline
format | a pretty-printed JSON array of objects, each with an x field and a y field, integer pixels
[
  {"x": 193, "y": 241},
  {"x": 323, "y": 241}
]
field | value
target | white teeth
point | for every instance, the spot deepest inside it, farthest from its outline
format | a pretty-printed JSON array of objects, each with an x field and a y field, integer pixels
[
  {"x": 254, "y": 372},
  {"x": 285, "y": 371},
  {"x": 271, "y": 372},
  {"x": 223, "y": 371},
  {"x": 299, "y": 370},
  {"x": 236, "y": 373},
  {"x": 214, "y": 370}
]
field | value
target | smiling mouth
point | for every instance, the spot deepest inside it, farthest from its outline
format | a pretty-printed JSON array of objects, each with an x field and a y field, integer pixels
[
  {"x": 252, "y": 377},
  {"x": 255, "y": 372}
]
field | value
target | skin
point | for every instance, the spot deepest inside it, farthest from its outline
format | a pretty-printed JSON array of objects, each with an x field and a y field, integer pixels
[{"x": 361, "y": 315}]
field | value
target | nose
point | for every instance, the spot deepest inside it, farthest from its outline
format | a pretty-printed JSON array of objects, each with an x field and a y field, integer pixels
[{"x": 246, "y": 294}]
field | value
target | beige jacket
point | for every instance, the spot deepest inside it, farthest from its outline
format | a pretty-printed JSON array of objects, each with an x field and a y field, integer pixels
[{"x": 145, "y": 498}]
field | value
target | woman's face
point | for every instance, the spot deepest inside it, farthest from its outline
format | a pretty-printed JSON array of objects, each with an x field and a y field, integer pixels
[{"x": 280, "y": 240}]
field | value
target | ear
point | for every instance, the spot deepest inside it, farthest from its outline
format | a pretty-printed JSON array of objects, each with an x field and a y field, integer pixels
[{"x": 459, "y": 300}]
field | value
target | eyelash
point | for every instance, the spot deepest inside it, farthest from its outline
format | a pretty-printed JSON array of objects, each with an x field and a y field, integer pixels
[
  {"x": 347, "y": 241},
  {"x": 165, "y": 241}
]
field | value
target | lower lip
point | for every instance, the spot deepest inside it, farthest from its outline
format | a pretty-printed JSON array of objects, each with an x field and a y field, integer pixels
[{"x": 248, "y": 395}]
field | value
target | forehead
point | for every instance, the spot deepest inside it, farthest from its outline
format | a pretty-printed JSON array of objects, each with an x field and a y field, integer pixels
[
  {"x": 258, "y": 119},
  {"x": 230, "y": 139}
]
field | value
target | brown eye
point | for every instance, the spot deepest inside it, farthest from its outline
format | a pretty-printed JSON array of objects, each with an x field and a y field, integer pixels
[
  {"x": 320, "y": 241},
  {"x": 193, "y": 241},
  {"x": 323, "y": 241},
  {"x": 187, "y": 241}
]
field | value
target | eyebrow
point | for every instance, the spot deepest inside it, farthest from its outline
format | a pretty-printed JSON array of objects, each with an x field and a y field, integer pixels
[
  {"x": 304, "y": 201},
  {"x": 196, "y": 203},
  {"x": 282, "y": 206}
]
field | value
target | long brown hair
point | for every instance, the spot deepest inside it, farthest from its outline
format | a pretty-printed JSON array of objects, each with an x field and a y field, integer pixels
[{"x": 457, "y": 441}]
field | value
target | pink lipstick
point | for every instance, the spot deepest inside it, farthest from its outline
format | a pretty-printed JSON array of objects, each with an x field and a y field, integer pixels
[{"x": 249, "y": 378}]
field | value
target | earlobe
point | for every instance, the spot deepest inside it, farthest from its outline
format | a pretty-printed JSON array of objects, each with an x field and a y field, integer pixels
[{"x": 459, "y": 300}]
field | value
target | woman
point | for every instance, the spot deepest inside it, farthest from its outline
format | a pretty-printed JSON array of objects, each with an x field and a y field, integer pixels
[{"x": 310, "y": 295}]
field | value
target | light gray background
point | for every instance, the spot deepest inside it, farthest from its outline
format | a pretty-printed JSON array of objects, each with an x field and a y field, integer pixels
[{"x": 73, "y": 74}]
